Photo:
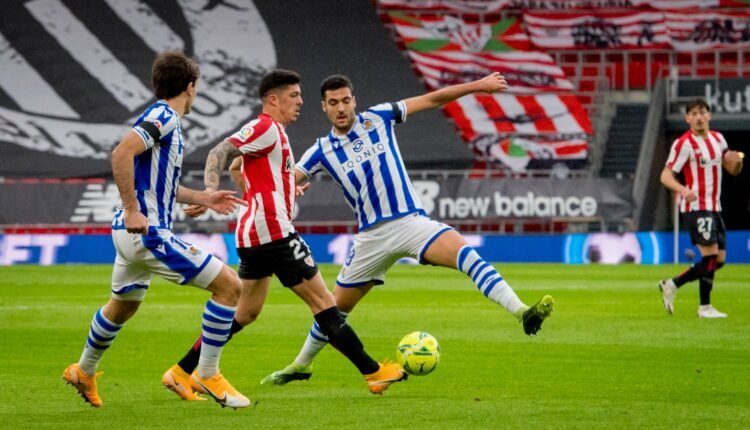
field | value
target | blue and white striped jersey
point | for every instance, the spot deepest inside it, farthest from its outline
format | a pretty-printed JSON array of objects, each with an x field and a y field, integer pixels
[
  {"x": 158, "y": 169},
  {"x": 367, "y": 165}
]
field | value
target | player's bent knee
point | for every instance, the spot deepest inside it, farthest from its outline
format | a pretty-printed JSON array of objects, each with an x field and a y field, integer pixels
[
  {"x": 247, "y": 318},
  {"x": 226, "y": 286},
  {"x": 707, "y": 265}
]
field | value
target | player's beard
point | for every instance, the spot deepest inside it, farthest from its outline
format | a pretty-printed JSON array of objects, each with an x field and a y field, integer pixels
[{"x": 188, "y": 106}]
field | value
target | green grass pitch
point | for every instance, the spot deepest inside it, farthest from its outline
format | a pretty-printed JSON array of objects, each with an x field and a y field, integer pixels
[{"x": 608, "y": 357}]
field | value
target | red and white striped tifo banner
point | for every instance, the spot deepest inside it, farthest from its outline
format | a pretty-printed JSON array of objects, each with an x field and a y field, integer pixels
[
  {"x": 489, "y": 6},
  {"x": 524, "y": 114},
  {"x": 629, "y": 30},
  {"x": 681, "y": 31},
  {"x": 525, "y": 71},
  {"x": 708, "y": 30}
]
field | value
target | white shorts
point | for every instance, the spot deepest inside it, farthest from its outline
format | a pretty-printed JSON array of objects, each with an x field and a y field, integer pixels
[
  {"x": 375, "y": 250},
  {"x": 159, "y": 252}
]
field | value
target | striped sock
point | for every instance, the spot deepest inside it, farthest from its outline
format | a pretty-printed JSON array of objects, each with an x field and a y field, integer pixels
[
  {"x": 101, "y": 336},
  {"x": 217, "y": 323},
  {"x": 487, "y": 280},
  {"x": 314, "y": 343}
]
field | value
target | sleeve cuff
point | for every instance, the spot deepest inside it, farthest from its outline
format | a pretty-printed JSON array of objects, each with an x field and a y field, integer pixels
[
  {"x": 145, "y": 137},
  {"x": 303, "y": 171}
]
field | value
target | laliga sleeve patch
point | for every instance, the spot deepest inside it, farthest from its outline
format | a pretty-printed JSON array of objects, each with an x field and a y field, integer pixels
[{"x": 246, "y": 132}]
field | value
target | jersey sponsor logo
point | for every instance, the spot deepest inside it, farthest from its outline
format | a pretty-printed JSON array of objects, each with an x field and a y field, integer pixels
[
  {"x": 363, "y": 155},
  {"x": 705, "y": 162},
  {"x": 53, "y": 120},
  {"x": 357, "y": 145}
]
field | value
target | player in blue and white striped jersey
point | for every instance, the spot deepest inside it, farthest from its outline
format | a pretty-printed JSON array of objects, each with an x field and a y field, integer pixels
[
  {"x": 361, "y": 154},
  {"x": 157, "y": 169},
  {"x": 146, "y": 167}
]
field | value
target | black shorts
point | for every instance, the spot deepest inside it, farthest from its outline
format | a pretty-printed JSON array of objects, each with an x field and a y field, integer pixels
[
  {"x": 706, "y": 228},
  {"x": 289, "y": 259}
]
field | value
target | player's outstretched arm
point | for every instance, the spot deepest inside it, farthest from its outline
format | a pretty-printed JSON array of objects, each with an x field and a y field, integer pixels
[
  {"x": 221, "y": 201},
  {"x": 491, "y": 83},
  {"x": 669, "y": 181},
  {"x": 130, "y": 146}
]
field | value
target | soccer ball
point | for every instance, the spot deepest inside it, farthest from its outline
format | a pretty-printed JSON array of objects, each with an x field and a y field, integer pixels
[{"x": 418, "y": 353}]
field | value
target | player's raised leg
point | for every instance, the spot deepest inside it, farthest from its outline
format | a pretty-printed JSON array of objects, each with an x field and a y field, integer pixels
[
  {"x": 450, "y": 249},
  {"x": 379, "y": 376},
  {"x": 302, "y": 366}
]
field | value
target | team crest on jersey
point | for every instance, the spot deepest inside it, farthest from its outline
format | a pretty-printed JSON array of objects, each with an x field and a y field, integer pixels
[
  {"x": 246, "y": 132},
  {"x": 215, "y": 33},
  {"x": 309, "y": 261},
  {"x": 367, "y": 124},
  {"x": 194, "y": 251}
]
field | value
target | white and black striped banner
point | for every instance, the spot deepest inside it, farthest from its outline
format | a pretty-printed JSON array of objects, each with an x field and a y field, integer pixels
[{"x": 76, "y": 74}]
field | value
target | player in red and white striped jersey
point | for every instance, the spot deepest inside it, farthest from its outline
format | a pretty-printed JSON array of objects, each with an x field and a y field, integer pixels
[
  {"x": 266, "y": 241},
  {"x": 699, "y": 155},
  {"x": 267, "y": 167}
]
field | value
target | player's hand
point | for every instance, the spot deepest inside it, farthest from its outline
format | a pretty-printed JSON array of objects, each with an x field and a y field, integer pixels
[
  {"x": 135, "y": 222},
  {"x": 492, "y": 83},
  {"x": 300, "y": 189},
  {"x": 194, "y": 211},
  {"x": 224, "y": 201},
  {"x": 687, "y": 194},
  {"x": 732, "y": 162}
]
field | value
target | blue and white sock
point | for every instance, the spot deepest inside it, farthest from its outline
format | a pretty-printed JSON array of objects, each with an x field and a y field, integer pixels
[
  {"x": 314, "y": 343},
  {"x": 488, "y": 280},
  {"x": 217, "y": 323},
  {"x": 101, "y": 336}
]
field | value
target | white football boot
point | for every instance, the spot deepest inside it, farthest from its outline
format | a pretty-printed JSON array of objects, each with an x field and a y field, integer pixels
[
  {"x": 708, "y": 311},
  {"x": 668, "y": 293}
]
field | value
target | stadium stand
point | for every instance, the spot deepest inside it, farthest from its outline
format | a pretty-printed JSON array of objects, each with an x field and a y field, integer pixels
[
  {"x": 582, "y": 72},
  {"x": 623, "y": 144}
]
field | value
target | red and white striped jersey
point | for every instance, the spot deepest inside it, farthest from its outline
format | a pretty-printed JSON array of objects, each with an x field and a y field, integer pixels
[
  {"x": 700, "y": 161},
  {"x": 268, "y": 168}
]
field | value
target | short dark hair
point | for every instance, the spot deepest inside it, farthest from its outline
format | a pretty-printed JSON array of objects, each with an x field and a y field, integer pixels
[
  {"x": 277, "y": 78},
  {"x": 171, "y": 73},
  {"x": 334, "y": 82},
  {"x": 697, "y": 103}
]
